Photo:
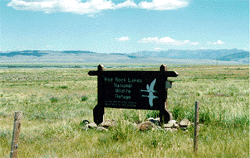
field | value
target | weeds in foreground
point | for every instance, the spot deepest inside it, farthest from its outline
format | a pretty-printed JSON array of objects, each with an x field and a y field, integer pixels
[
  {"x": 53, "y": 99},
  {"x": 84, "y": 98}
]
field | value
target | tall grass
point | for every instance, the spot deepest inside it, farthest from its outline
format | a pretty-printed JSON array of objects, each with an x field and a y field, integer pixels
[{"x": 55, "y": 101}]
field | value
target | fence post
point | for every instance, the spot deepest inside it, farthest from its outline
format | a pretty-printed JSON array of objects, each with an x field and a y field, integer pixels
[
  {"x": 196, "y": 126},
  {"x": 16, "y": 132}
]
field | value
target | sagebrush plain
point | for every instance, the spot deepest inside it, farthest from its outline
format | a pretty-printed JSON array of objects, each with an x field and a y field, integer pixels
[{"x": 54, "y": 102}]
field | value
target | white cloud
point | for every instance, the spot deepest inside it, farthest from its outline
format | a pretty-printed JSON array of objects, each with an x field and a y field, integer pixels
[
  {"x": 219, "y": 42},
  {"x": 246, "y": 49},
  {"x": 165, "y": 40},
  {"x": 122, "y": 39},
  {"x": 194, "y": 43},
  {"x": 149, "y": 40},
  {"x": 163, "y": 4},
  {"x": 157, "y": 48},
  {"x": 49, "y": 46},
  {"x": 91, "y": 6},
  {"x": 127, "y": 3},
  {"x": 74, "y": 6}
]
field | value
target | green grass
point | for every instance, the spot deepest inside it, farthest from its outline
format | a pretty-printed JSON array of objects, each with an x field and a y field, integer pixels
[{"x": 55, "y": 102}]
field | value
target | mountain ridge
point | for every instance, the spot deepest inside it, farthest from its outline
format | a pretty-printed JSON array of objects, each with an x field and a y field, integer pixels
[
  {"x": 172, "y": 55},
  {"x": 190, "y": 54}
]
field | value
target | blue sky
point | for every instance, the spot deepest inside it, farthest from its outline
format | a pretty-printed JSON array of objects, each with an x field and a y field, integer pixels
[{"x": 123, "y": 26}]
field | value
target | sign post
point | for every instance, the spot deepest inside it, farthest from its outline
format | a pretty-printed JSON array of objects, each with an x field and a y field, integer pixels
[{"x": 132, "y": 90}]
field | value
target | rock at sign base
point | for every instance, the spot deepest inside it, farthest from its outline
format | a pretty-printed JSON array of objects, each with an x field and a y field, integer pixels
[
  {"x": 99, "y": 128},
  {"x": 176, "y": 125},
  {"x": 150, "y": 119},
  {"x": 168, "y": 129},
  {"x": 144, "y": 126},
  {"x": 85, "y": 122},
  {"x": 92, "y": 125},
  {"x": 171, "y": 129},
  {"x": 171, "y": 123},
  {"x": 108, "y": 123},
  {"x": 156, "y": 121},
  {"x": 167, "y": 125},
  {"x": 184, "y": 123}
]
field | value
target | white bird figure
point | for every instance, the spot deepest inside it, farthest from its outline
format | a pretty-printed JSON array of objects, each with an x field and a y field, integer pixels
[{"x": 150, "y": 90}]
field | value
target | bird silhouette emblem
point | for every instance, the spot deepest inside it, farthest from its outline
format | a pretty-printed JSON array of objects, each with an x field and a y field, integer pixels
[{"x": 150, "y": 90}]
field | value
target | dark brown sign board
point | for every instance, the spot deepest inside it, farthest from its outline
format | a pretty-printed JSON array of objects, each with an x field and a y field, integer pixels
[{"x": 132, "y": 90}]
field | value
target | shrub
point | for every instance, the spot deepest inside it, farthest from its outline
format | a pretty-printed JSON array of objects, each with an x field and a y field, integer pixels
[
  {"x": 153, "y": 113},
  {"x": 178, "y": 112},
  {"x": 131, "y": 115},
  {"x": 53, "y": 99},
  {"x": 63, "y": 87},
  {"x": 84, "y": 98}
]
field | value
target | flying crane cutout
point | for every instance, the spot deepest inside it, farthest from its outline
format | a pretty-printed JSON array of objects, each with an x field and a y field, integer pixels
[{"x": 150, "y": 90}]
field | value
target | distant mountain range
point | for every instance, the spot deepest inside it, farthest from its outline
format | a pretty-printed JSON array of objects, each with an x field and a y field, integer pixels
[
  {"x": 194, "y": 54},
  {"x": 24, "y": 53},
  {"x": 171, "y": 56},
  {"x": 241, "y": 57},
  {"x": 39, "y": 53}
]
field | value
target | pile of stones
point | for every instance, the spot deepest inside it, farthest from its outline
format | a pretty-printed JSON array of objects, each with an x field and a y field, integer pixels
[
  {"x": 172, "y": 125},
  {"x": 149, "y": 124},
  {"x": 102, "y": 127}
]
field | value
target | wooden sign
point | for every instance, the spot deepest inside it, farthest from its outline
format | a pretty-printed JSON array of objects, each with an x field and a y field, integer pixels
[{"x": 131, "y": 89}]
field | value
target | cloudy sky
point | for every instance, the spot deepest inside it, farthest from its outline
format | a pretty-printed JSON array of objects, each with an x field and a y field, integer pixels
[{"x": 123, "y": 26}]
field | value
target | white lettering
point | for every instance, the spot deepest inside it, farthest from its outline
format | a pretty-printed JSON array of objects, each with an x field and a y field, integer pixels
[
  {"x": 122, "y": 97},
  {"x": 122, "y": 91},
  {"x": 134, "y": 80},
  {"x": 108, "y": 79},
  {"x": 120, "y": 79},
  {"x": 116, "y": 85}
]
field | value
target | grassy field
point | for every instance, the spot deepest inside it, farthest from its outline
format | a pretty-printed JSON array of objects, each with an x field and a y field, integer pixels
[{"x": 55, "y": 101}]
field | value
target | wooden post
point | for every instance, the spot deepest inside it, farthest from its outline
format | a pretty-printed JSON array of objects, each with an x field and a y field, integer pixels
[
  {"x": 99, "y": 109},
  {"x": 16, "y": 132},
  {"x": 196, "y": 126},
  {"x": 165, "y": 114}
]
